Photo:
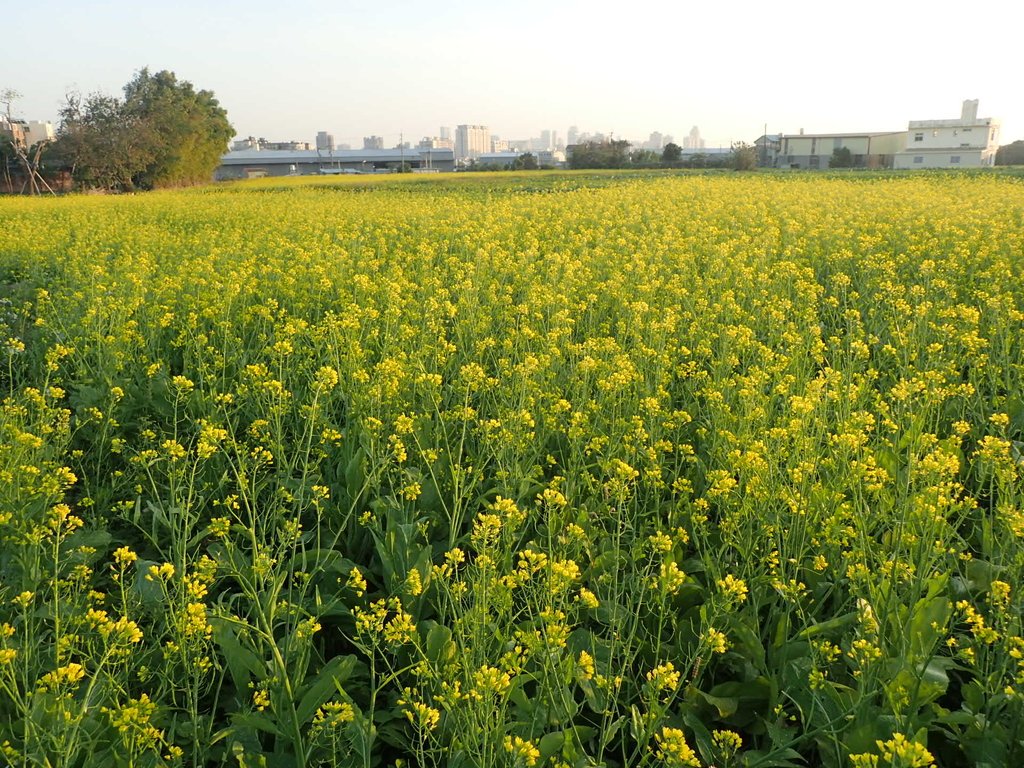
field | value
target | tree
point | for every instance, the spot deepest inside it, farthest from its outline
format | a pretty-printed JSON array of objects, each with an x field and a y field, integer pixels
[
  {"x": 189, "y": 129},
  {"x": 1011, "y": 154},
  {"x": 842, "y": 157},
  {"x": 744, "y": 156},
  {"x": 162, "y": 133},
  {"x": 15, "y": 151},
  {"x": 525, "y": 162},
  {"x": 101, "y": 143},
  {"x": 644, "y": 157},
  {"x": 698, "y": 160},
  {"x": 672, "y": 153},
  {"x": 600, "y": 154}
]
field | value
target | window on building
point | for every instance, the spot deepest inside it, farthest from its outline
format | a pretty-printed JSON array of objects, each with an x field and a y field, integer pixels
[
  {"x": 918, "y": 137},
  {"x": 967, "y": 130},
  {"x": 954, "y": 159},
  {"x": 837, "y": 143},
  {"x": 918, "y": 158},
  {"x": 789, "y": 159},
  {"x": 814, "y": 162}
]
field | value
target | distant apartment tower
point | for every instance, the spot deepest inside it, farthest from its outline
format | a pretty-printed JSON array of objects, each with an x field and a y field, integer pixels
[
  {"x": 965, "y": 142},
  {"x": 373, "y": 142},
  {"x": 656, "y": 141},
  {"x": 573, "y": 136},
  {"x": 444, "y": 132},
  {"x": 693, "y": 141},
  {"x": 325, "y": 142},
  {"x": 545, "y": 140},
  {"x": 436, "y": 142},
  {"x": 471, "y": 141}
]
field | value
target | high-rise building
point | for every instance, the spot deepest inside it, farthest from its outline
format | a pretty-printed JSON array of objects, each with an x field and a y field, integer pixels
[
  {"x": 324, "y": 142},
  {"x": 444, "y": 132},
  {"x": 656, "y": 141},
  {"x": 573, "y": 136},
  {"x": 436, "y": 142},
  {"x": 545, "y": 140},
  {"x": 471, "y": 141},
  {"x": 693, "y": 141},
  {"x": 373, "y": 142}
]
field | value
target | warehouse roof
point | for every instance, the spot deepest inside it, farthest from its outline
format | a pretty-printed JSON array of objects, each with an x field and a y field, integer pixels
[{"x": 274, "y": 156}]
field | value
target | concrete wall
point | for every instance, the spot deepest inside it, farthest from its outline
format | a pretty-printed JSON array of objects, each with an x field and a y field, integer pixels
[
  {"x": 944, "y": 158},
  {"x": 889, "y": 143},
  {"x": 943, "y": 137}
]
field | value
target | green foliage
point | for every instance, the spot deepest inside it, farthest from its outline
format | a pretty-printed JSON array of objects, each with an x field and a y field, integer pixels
[
  {"x": 600, "y": 154},
  {"x": 162, "y": 133},
  {"x": 102, "y": 143},
  {"x": 744, "y": 156},
  {"x": 1011, "y": 154},
  {"x": 644, "y": 158},
  {"x": 525, "y": 162},
  {"x": 842, "y": 157},
  {"x": 671, "y": 153}
]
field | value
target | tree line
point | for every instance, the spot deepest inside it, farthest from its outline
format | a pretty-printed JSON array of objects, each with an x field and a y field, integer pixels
[
  {"x": 162, "y": 132},
  {"x": 619, "y": 153}
]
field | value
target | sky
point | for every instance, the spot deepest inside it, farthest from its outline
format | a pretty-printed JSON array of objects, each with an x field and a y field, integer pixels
[{"x": 285, "y": 70}]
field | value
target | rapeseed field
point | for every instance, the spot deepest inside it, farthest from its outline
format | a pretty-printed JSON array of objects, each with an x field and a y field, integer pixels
[{"x": 539, "y": 470}]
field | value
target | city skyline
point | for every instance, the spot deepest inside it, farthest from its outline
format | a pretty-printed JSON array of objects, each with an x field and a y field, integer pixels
[{"x": 353, "y": 70}]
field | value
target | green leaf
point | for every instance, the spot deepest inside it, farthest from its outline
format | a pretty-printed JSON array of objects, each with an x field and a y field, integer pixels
[
  {"x": 725, "y": 705},
  {"x": 927, "y": 626},
  {"x": 243, "y": 664},
  {"x": 777, "y": 758},
  {"x": 549, "y": 745},
  {"x": 327, "y": 681},
  {"x": 831, "y": 625},
  {"x": 257, "y": 721},
  {"x": 439, "y": 646},
  {"x": 150, "y": 592},
  {"x": 701, "y": 737}
]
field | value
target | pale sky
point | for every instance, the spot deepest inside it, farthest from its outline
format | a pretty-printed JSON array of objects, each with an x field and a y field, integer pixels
[{"x": 284, "y": 70}]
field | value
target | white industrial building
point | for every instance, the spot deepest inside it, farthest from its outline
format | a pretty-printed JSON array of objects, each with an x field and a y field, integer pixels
[
  {"x": 965, "y": 142},
  {"x": 814, "y": 150}
]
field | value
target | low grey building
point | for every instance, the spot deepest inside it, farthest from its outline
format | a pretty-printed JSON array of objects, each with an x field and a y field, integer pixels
[{"x": 255, "y": 164}]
